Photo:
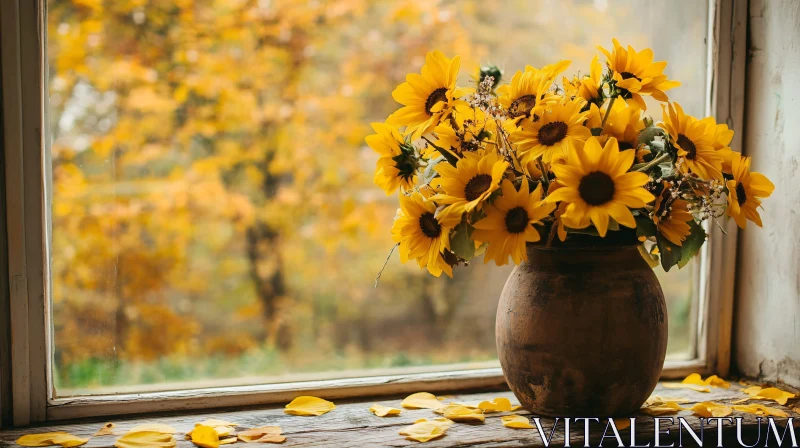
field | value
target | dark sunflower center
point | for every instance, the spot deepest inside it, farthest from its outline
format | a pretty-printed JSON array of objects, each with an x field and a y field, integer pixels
[
  {"x": 477, "y": 186},
  {"x": 516, "y": 220},
  {"x": 552, "y": 133},
  {"x": 629, "y": 75},
  {"x": 437, "y": 95},
  {"x": 522, "y": 106},
  {"x": 688, "y": 146},
  {"x": 741, "y": 194},
  {"x": 625, "y": 145},
  {"x": 596, "y": 188},
  {"x": 429, "y": 225}
]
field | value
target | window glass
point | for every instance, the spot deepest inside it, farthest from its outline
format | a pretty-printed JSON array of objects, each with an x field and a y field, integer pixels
[{"x": 214, "y": 219}]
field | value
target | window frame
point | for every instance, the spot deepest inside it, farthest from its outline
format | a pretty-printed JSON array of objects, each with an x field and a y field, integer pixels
[{"x": 25, "y": 353}]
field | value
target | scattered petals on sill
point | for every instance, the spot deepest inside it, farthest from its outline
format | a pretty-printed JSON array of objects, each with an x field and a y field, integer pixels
[
  {"x": 516, "y": 422},
  {"x": 423, "y": 430},
  {"x": 499, "y": 404},
  {"x": 694, "y": 387},
  {"x": 710, "y": 409},
  {"x": 796, "y": 410},
  {"x": 214, "y": 422},
  {"x": 752, "y": 390},
  {"x": 422, "y": 400},
  {"x": 716, "y": 381},
  {"x": 308, "y": 406},
  {"x": 770, "y": 393},
  {"x": 262, "y": 434},
  {"x": 740, "y": 401},
  {"x": 228, "y": 441},
  {"x": 760, "y": 409},
  {"x": 153, "y": 427},
  {"x": 458, "y": 413},
  {"x": 106, "y": 430},
  {"x": 622, "y": 423},
  {"x": 205, "y": 436},
  {"x": 669, "y": 407},
  {"x": 657, "y": 399},
  {"x": 51, "y": 439},
  {"x": 383, "y": 411},
  {"x": 150, "y": 439}
]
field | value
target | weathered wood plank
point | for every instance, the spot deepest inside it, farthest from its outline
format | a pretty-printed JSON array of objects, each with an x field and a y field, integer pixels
[{"x": 352, "y": 424}]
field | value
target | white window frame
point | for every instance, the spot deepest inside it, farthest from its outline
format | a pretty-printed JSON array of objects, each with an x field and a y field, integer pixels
[{"x": 27, "y": 177}]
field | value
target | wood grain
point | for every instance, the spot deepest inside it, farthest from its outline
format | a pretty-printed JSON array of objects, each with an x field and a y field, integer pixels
[{"x": 352, "y": 424}]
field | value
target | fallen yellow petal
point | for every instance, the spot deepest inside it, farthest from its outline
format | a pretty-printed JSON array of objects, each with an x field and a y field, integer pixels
[
  {"x": 694, "y": 378},
  {"x": 383, "y": 411},
  {"x": 228, "y": 441},
  {"x": 622, "y": 423},
  {"x": 710, "y": 409},
  {"x": 423, "y": 430},
  {"x": 458, "y": 413},
  {"x": 773, "y": 393},
  {"x": 740, "y": 401},
  {"x": 421, "y": 400},
  {"x": 759, "y": 409},
  {"x": 106, "y": 430},
  {"x": 516, "y": 422},
  {"x": 254, "y": 434},
  {"x": 51, "y": 439},
  {"x": 797, "y": 410},
  {"x": 716, "y": 381},
  {"x": 657, "y": 399},
  {"x": 499, "y": 404},
  {"x": 205, "y": 436},
  {"x": 752, "y": 390},
  {"x": 307, "y": 406},
  {"x": 153, "y": 427},
  {"x": 694, "y": 387},
  {"x": 669, "y": 407},
  {"x": 150, "y": 439},
  {"x": 213, "y": 422},
  {"x": 515, "y": 407}
]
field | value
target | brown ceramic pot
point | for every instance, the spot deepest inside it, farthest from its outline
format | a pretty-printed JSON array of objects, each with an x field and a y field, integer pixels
[{"x": 582, "y": 330}]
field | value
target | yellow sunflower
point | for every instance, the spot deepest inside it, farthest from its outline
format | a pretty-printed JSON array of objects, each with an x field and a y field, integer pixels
[
  {"x": 745, "y": 191},
  {"x": 430, "y": 97},
  {"x": 696, "y": 142},
  {"x": 508, "y": 224},
  {"x": 672, "y": 215},
  {"x": 529, "y": 91},
  {"x": 423, "y": 235},
  {"x": 596, "y": 185},
  {"x": 636, "y": 73},
  {"x": 587, "y": 87},
  {"x": 472, "y": 127},
  {"x": 558, "y": 131},
  {"x": 397, "y": 165},
  {"x": 467, "y": 185},
  {"x": 624, "y": 122}
]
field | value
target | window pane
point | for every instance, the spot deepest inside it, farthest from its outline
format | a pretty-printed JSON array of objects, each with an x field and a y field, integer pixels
[{"x": 214, "y": 216}]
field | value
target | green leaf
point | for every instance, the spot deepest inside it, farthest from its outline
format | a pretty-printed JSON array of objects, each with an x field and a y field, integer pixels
[
  {"x": 645, "y": 226},
  {"x": 429, "y": 174},
  {"x": 649, "y": 134},
  {"x": 461, "y": 243},
  {"x": 670, "y": 253},
  {"x": 651, "y": 259},
  {"x": 692, "y": 244}
]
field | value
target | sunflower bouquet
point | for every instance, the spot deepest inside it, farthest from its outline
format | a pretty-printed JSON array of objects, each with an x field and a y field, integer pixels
[{"x": 486, "y": 170}]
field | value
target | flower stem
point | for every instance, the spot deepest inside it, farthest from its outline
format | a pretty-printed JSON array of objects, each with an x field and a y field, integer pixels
[
  {"x": 608, "y": 111},
  {"x": 663, "y": 157}
]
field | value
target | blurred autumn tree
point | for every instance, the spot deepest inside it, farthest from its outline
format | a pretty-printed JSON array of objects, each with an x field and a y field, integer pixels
[{"x": 213, "y": 198}]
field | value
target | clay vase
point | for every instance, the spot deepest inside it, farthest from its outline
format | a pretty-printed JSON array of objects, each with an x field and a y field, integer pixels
[{"x": 582, "y": 329}]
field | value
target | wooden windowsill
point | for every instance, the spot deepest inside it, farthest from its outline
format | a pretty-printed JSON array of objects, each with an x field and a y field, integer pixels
[{"x": 352, "y": 424}]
